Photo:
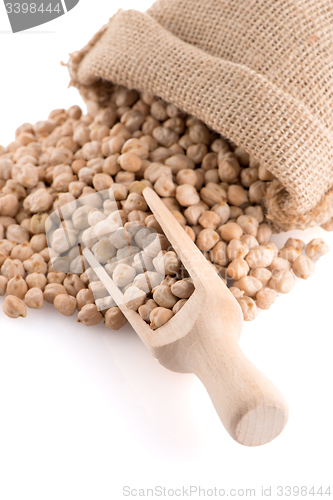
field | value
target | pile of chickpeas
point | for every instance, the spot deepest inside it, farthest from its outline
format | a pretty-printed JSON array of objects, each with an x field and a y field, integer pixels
[{"x": 98, "y": 165}]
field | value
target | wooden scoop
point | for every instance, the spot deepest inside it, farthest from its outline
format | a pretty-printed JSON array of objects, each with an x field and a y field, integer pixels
[{"x": 202, "y": 338}]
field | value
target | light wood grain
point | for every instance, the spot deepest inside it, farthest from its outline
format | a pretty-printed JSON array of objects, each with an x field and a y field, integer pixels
[{"x": 202, "y": 338}]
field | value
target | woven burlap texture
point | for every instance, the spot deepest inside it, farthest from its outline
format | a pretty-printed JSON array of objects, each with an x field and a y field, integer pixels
[{"x": 259, "y": 72}]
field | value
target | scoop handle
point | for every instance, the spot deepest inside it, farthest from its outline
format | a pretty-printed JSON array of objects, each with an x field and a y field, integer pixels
[{"x": 249, "y": 405}]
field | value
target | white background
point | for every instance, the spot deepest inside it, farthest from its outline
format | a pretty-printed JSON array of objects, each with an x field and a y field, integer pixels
[{"x": 85, "y": 412}]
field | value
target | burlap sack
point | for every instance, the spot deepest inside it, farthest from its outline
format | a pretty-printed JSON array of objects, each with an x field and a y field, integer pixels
[{"x": 259, "y": 72}]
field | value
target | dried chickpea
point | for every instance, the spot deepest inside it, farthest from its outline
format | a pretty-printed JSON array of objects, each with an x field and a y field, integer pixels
[
  {"x": 17, "y": 286},
  {"x": 262, "y": 274},
  {"x": 34, "y": 298},
  {"x": 3, "y": 285},
  {"x": 14, "y": 307},
  {"x": 207, "y": 239},
  {"x": 146, "y": 309},
  {"x": 255, "y": 211},
  {"x": 183, "y": 288},
  {"x": 218, "y": 254},
  {"x": 84, "y": 297},
  {"x": 260, "y": 257},
  {"x": 237, "y": 195},
  {"x": 236, "y": 292},
  {"x": 11, "y": 267},
  {"x": 295, "y": 243},
  {"x": 230, "y": 231},
  {"x": 209, "y": 220},
  {"x": 89, "y": 315},
  {"x": 264, "y": 234},
  {"x": 281, "y": 264},
  {"x": 159, "y": 316},
  {"x": 249, "y": 285},
  {"x": 52, "y": 290},
  {"x": 282, "y": 281},
  {"x": 9, "y": 205},
  {"x": 36, "y": 280},
  {"x": 249, "y": 308},
  {"x": 178, "y": 305},
  {"x": 114, "y": 319},
  {"x": 248, "y": 224},
  {"x": 238, "y": 269},
  {"x": 65, "y": 304},
  {"x": 266, "y": 297},
  {"x": 316, "y": 249},
  {"x": 36, "y": 264},
  {"x": 249, "y": 240},
  {"x": 289, "y": 253},
  {"x": 237, "y": 250},
  {"x": 187, "y": 195},
  {"x": 303, "y": 267},
  {"x": 22, "y": 252}
]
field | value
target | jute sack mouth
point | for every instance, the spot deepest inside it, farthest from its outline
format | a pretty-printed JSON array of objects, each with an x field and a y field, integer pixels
[{"x": 259, "y": 72}]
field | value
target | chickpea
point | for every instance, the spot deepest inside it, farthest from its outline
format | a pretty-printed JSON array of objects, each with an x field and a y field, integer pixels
[
  {"x": 146, "y": 309},
  {"x": 183, "y": 288},
  {"x": 218, "y": 254},
  {"x": 209, "y": 220},
  {"x": 17, "y": 286},
  {"x": 237, "y": 250},
  {"x": 178, "y": 305},
  {"x": 22, "y": 252},
  {"x": 207, "y": 239},
  {"x": 260, "y": 257},
  {"x": 316, "y": 249},
  {"x": 52, "y": 290},
  {"x": 281, "y": 264},
  {"x": 237, "y": 195},
  {"x": 14, "y": 307},
  {"x": 249, "y": 308},
  {"x": 256, "y": 212},
  {"x": 9, "y": 205},
  {"x": 303, "y": 267},
  {"x": 65, "y": 304},
  {"x": 197, "y": 152},
  {"x": 34, "y": 298},
  {"x": 262, "y": 274},
  {"x": 36, "y": 264},
  {"x": 282, "y": 281},
  {"x": 266, "y": 297},
  {"x": 249, "y": 240},
  {"x": 123, "y": 275},
  {"x": 3, "y": 285},
  {"x": 295, "y": 243},
  {"x": 11, "y": 267},
  {"x": 238, "y": 269},
  {"x": 236, "y": 292},
  {"x": 257, "y": 192},
  {"x": 167, "y": 263},
  {"x": 249, "y": 176},
  {"x": 187, "y": 195},
  {"x": 56, "y": 277},
  {"x": 134, "y": 298},
  {"x": 230, "y": 231},
  {"x": 248, "y": 224},
  {"x": 89, "y": 315},
  {"x": 249, "y": 285},
  {"x": 114, "y": 319},
  {"x": 229, "y": 168},
  {"x": 159, "y": 316},
  {"x": 289, "y": 253},
  {"x": 37, "y": 223},
  {"x": 84, "y": 297},
  {"x": 36, "y": 280}
]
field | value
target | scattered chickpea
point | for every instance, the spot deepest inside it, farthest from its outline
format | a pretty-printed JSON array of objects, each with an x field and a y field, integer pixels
[
  {"x": 303, "y": 267},
  {"x": 34, "y": 298},
  {"x": 248, "y": 307},
  {"x": 14, "y": 307},
  {"x": 316, "y": 249},
  {"x": 266, "y": 297},
  {"x": 89, "y": 315},
  {"x": 159, "y": 316}
]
